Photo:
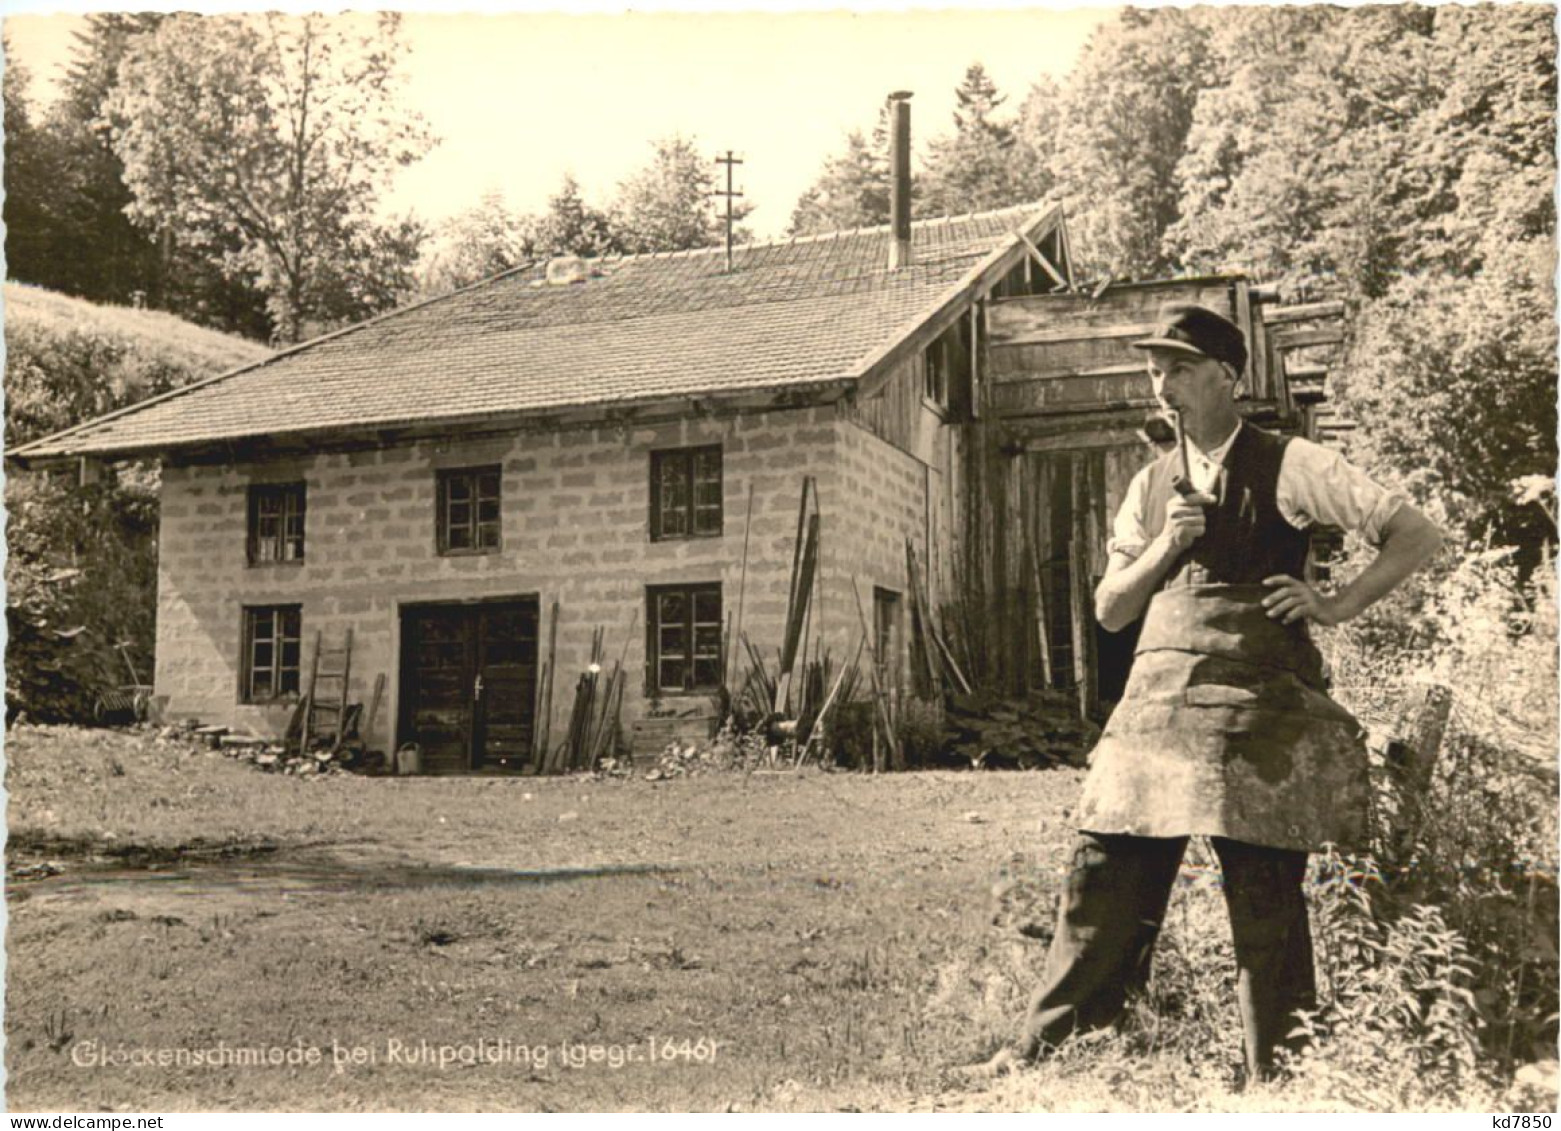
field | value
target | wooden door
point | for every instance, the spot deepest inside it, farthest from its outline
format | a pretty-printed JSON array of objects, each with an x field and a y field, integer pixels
[
  {"x": 436, "y": 686},
  {"x": 1076, "y": 496},
  {"x": 505, "y": 686},
  {"x": 468, "y": 684}
]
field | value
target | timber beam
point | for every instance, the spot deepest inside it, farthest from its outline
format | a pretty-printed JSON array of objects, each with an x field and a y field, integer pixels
[{"x": 1045, "y": 264}]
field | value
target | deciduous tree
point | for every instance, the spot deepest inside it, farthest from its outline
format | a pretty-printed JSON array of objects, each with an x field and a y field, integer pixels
[
  {"x": 479, "y": 242},
  {"x": 1036, "y": 135},
  {"x": 490, "y": 238},
  {"x": 1484, "y": 155},
  {"x": 273, "y": 136},
  {"x": 570, "y": 226},
  {"x": 1295, "y": 167},
  {"x": 1453, "y": 382},
  {"x": 668, "y": 205},
  {"x": 1127, "y": 109},
  {"x": 1452, "y": 375}
]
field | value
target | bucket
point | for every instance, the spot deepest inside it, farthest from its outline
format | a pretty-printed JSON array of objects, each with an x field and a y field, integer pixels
[{"x": 409, "y": 760}]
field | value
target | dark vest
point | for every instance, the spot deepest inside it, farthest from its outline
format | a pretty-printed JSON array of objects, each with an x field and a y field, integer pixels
[{"x": 1247, "y": 539}]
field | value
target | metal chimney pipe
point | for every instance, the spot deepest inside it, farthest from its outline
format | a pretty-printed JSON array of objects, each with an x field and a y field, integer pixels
[{"x": 900, "y": 178}]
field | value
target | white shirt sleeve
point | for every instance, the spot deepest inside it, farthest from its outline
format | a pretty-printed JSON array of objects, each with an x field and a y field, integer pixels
[
  {"x": 1129, "y": 533},
  {"x": 1318, "y": 485}
]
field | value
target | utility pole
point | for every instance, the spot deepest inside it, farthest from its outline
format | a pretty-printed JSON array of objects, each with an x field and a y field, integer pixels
[{"x": 730, "y": 195}]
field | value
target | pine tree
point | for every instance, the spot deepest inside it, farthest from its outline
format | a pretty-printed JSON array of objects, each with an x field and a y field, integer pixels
[
  {"x": 980, "y": 166},
  {"x": 852, "y": 190},
  {"x": 30, "y": 169},
  {"x": 67, "y": 228}
]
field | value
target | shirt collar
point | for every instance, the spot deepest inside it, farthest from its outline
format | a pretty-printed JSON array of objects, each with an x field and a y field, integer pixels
[{"x": 1218, "y": 453}]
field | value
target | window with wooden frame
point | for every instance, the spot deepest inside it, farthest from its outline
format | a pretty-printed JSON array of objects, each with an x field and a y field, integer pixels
[
  {"x": 276, "y": 523},
  {"x": 468, "y": 517},
  {"x": 683, "y": 644},
  {"x": 685, "y": 493},
  {"x": 946, "y": 370},
  {"x": 886, "y": 635},
  {"x": 272, "y": 653},
  {"x": 935, "y": 387}
]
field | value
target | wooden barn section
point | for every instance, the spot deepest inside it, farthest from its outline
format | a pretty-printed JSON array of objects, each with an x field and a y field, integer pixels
[
  {"x": 924, "y": 395},
  {"x": 1060, "y": 434}
]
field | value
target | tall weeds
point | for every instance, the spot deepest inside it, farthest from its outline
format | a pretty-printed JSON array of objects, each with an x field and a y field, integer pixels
[{"x": 1437, "y": 949}]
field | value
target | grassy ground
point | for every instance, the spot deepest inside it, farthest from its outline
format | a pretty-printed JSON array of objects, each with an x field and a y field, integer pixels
[
  {"x": 159, "y": 337},
  {"x": 814, "y": 941}
]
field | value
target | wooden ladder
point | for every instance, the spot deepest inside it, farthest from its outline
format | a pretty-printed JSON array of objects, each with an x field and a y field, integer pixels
[{"x": 333, "y": 668}]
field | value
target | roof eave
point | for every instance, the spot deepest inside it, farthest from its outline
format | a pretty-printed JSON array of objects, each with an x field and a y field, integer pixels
[
  {"x": 21, "y": 457},
  {"x": 625, "y": 411}
]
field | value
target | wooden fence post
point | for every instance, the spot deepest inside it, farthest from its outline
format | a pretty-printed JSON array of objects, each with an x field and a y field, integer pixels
[{"x": 1411, "y": 757}]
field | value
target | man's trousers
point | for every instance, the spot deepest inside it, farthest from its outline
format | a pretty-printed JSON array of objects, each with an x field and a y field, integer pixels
[{"x": 1110, "y": 917}]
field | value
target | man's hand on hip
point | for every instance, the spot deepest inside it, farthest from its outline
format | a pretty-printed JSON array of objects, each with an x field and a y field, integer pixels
[{"x": 1293, "y": 600}]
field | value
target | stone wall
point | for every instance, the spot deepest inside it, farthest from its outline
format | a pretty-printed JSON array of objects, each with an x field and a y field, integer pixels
[
  {"x": 884, "y": 496},
  {"x": 575, "y": 528}
]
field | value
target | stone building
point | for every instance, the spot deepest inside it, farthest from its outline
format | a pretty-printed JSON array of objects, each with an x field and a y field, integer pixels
[{"x": 622, "y": 440}]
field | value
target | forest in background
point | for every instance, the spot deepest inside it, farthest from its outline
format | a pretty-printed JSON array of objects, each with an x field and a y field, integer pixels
[{"x": 1399, "y": 158}]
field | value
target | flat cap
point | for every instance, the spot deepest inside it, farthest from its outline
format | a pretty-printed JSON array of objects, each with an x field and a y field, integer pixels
[{"x": 1190, "y": 328}]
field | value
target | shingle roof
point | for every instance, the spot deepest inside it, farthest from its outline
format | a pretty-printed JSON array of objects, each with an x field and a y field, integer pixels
[{"x": 642, "y": 327}]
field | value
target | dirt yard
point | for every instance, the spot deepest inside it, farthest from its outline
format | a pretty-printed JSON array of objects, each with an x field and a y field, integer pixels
[
  {"x": 187, "y": 932},
  {"x": 759, "y": 941}
]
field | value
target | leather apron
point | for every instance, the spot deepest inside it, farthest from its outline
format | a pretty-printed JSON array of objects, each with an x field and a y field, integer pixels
[{"x": 1224, "y": 727}]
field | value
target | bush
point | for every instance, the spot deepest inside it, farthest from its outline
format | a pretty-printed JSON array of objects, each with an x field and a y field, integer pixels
[
  {"x": 921, "y": 731},
  {"x": 68, "y": 360},
  {"x": 919, "y": 728},
  {"x": 81, "y": 565},
  {"x": 850, "y": 734},
  {"x": 81, "y": 576},
  {"x": 1398, "y": 1021}
]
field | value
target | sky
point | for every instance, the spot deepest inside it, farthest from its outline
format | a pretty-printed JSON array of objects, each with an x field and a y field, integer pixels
[{"x": 520, "y": 98}]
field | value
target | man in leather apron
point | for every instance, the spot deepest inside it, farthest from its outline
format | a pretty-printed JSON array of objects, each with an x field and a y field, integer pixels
[{"x": 1225, "y": 729}]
